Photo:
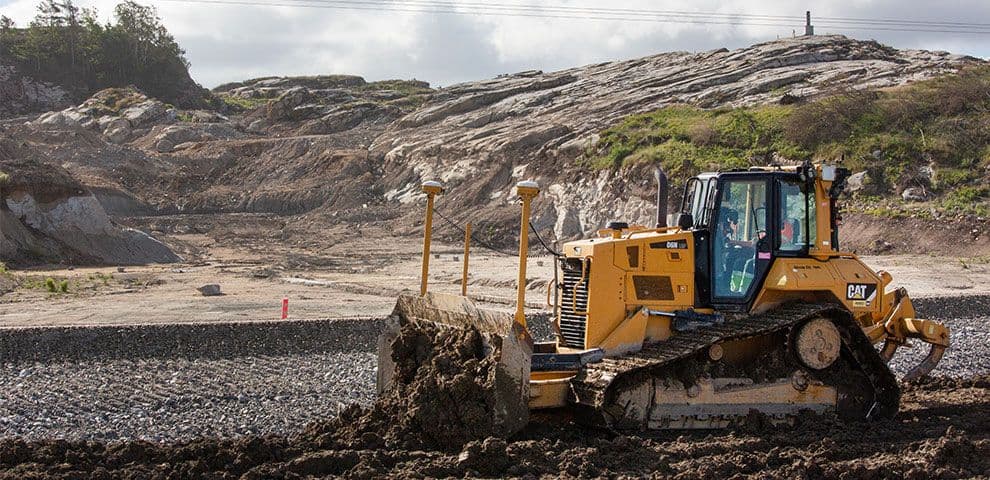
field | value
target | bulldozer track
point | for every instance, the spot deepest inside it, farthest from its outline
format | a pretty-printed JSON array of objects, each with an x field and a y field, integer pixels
[{"x": 595, "y": 384}]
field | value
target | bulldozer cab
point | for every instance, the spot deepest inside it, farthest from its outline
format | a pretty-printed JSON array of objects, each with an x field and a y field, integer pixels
[{"x": 745, "y": 219}]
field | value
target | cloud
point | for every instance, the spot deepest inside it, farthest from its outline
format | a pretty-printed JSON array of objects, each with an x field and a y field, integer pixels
[{"x": 234, "y": 42}]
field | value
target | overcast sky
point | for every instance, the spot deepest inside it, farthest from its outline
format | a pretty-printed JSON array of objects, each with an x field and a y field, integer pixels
[{"x": 235, "y": 42}]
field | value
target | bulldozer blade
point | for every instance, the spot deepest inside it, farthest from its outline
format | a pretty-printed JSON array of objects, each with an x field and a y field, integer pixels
[
  {"x": 503, "y": 338},
  {"x": 920, "y": 370}
]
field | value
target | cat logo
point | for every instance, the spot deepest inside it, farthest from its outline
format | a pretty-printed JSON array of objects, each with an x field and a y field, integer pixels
[{"x": 862, "y": 294}]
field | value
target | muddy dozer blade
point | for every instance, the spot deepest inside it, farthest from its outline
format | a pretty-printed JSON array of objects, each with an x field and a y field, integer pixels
[{"x": 507, "y": 343}]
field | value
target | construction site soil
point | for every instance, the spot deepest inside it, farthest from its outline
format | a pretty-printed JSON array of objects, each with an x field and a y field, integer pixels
[
  {"x": 88, "y": 394},
  {"x": 435, "y": 422},
  {"x": 942, "y": 431}
]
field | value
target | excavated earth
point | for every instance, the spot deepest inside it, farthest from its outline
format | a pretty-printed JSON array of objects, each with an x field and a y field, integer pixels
[{"x": 434, "y": 424}]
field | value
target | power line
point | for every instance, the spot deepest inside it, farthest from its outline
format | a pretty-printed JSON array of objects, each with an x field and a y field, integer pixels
[
  {"x": 610, "y": 14},
  {"x": 335, "y": 5},
  {"x": 640, "y": 12},
  {"x": 626, "y": 11},
  {"x": 906, "y": 22},
  {"x": 568, "y": 9}
]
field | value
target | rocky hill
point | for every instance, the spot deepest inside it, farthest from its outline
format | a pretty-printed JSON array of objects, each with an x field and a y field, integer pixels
[
  {"x": 340, "y": 149},
  {"x": 479, "y": 137},
  {"x": 22, "y": 94}
]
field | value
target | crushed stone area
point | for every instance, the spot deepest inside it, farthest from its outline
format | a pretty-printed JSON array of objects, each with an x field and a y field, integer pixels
[
  {"x": 968, "y": 319},
  {"x": 173, "y": 382},
  {"x": 216, "y": 340},
  {"x": 136, "y": 383},
  {"x": 177, "y": 398},
  {"x": 965, "y": 356}
]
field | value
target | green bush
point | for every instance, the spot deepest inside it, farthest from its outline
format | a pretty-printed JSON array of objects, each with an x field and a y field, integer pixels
[
  {"x": 693, "y": 139},
  {"x": 968, "y": 200},
  {"x": 892, "y": 134},
  {"x": 63, "y": 286},
  {"x": 946, "y": 178},
  {"x": 242, "y": 104},
  {"x": 51, "y": 285}
]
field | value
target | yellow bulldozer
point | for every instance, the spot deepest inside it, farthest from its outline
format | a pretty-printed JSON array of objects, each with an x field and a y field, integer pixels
[{"x": 744, "y": 305}]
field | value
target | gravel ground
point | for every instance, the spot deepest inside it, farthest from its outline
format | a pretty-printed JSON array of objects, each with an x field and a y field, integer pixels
[
  {"x": 172, "y": 382},
  {"x": 170, "y": 399},
  {"x": 968, "y": 319},
  {"x": 176, "y": 382},
  {"x": 966, "y": 356}
]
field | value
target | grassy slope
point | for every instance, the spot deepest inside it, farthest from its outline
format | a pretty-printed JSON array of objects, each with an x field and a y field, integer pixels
[{"x": 894, "y": 135}]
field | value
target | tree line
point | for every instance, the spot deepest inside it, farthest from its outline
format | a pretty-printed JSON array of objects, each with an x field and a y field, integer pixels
[{"x": 71, "y": 47}]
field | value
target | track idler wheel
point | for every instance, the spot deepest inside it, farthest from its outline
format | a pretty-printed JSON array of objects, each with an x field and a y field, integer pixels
[{"x": 818, "y": 343}]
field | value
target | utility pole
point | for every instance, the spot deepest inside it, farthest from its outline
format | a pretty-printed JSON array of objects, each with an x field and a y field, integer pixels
[{"x": 809, "y": 29}]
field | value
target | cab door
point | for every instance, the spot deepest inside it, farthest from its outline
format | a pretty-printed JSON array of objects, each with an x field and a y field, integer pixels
[{"x": 741, "y": 247}]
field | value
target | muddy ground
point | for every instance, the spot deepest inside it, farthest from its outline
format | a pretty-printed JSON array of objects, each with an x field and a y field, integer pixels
[{"x": 943, "y": 431}]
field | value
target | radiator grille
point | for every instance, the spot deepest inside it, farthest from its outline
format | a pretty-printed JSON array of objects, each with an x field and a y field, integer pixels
[{"x": 574, "y": 303}]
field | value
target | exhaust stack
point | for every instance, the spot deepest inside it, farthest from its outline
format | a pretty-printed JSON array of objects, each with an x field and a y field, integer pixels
[{"x": 662, "y": 190}]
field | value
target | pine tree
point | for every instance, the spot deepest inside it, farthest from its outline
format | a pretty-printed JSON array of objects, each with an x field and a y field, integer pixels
[
  {"x": 71, "y": 31},
  {"x": 6, "y": 35}
]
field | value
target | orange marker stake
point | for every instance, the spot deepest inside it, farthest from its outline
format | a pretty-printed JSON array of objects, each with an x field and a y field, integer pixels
[{"x": 285, "y": 308}]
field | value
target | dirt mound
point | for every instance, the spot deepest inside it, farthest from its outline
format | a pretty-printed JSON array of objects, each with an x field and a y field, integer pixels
[
  {"x": 47, "y": 216},
  {"x": 441, "y": 399}
]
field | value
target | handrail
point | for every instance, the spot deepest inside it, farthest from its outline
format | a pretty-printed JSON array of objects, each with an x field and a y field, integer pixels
[{"x": 652, "y": 230}]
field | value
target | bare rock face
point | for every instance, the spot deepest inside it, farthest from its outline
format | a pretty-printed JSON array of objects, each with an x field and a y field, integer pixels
[
  {"x": 340, "y": 149},
  {"x": 47, "y": 216},
  {"x": 81, "y": 224},
  {"x": 914, "y": 194},
  {"x": 321, "y": 105},
  {"x": 119, "y": 113},
  {"x": 21, "y": 94},
  {"x": 125, "y": 115},
  {"x": 290, "y": 105},
  {"x": 479, "y": 138}
]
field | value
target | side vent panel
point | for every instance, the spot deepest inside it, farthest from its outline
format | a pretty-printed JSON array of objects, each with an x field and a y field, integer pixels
[{"x": 653, "y": 287}]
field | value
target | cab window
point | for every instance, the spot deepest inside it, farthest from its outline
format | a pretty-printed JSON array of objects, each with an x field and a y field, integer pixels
[
  {"x": 795, "y": 225},
  {"x": 740, "y": 233}
]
